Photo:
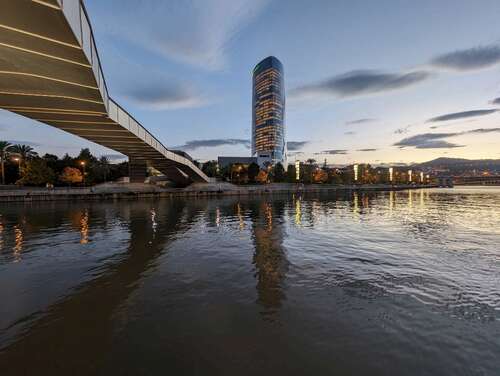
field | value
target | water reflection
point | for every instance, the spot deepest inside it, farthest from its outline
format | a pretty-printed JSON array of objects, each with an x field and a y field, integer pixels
[
  {"x": 298, "y": 211},
  {"x": 18, "y": 242},
  {"x": 78, "y": 328},
  {"x": 390, "y": 273},
  {"x": 84, "y": 228},
  {"x": 270, "y": 256}
]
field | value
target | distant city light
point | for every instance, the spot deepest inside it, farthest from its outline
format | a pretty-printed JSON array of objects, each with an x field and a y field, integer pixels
[
  {"x": 391, "y": 174},
  {"x": 421, "y": 177},
  {"x": 410, "y": 173},
  {"x": 297, "y": 170},
  {"x": 356, "y": 172}
]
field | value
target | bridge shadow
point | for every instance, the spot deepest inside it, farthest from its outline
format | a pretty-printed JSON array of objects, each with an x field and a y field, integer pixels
[{"x": 76, "y": 333}]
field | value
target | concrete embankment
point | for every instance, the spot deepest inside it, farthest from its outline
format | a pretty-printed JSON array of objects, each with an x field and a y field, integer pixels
[{"x": 138, "y": 191}]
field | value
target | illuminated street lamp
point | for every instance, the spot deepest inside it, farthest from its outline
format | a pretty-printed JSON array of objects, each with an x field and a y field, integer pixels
[
  {"x": 297, "y": 170},
  {"x": 82, "y": 163},
  {"x": 410, "y": 173},
  {"x": 391, "y": 174},
  {"x": 18, "y": 160},
  {"x": 422, "y": 178},
  {"x": 356, "y": 172}
]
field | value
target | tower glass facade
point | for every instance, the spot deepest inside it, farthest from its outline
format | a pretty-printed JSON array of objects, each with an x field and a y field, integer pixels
[{"x": 268, "y": 112}]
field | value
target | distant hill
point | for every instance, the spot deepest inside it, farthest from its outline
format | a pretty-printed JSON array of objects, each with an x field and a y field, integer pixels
[{"x": 460, "y": 165}]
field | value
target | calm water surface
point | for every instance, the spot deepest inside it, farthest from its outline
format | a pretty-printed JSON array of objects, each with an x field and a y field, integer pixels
[{"x": 404, "y": 283}]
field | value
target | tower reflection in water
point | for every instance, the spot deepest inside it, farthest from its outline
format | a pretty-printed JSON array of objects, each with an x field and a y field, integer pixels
[{"x": 271, "y": 264}]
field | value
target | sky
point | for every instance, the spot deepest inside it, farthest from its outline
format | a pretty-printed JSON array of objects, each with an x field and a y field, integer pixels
[{"x": 386, "y": 81}]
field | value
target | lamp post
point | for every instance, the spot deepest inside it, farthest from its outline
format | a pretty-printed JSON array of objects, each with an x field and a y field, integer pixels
[
  {"x": 18, "y": 160},
  {"x": 82, "y": 163}
]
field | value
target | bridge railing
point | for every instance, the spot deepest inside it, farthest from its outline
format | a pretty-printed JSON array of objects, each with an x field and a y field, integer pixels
[{"x": 77, "y": 17}]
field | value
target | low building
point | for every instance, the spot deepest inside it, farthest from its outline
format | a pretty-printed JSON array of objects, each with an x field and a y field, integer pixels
[{"x": 227, "y": 161}]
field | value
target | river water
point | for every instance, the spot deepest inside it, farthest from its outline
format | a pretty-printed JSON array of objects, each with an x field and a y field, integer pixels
[{"x": 389, "y": 283}]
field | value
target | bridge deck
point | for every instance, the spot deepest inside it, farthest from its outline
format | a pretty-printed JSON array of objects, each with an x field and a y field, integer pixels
[{"x": 50, "y": 72}]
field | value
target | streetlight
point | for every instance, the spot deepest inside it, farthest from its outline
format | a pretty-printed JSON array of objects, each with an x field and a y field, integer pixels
[
  {"x": 391, "y": 174},
  {"x": 18, "y": 160},
  {"x": 410, "y": 172},
  {"x": 82, "y": 163}
]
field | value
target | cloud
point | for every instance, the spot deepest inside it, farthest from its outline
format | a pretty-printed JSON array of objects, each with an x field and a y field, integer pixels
[
  {"x": 438, "y": 140},
  {"x": 296, "y": 145},
  {"x": 360, "y": 121},
  {"x": 196, "y": 32},
  {"x": 496, "y": 101},
  {"x": 333, "y": 152},
  {"x": 367, "y": 150},
  {"x": 196, "y": 144},
  {"x": 403, "y": 130},
  {"x": 469, "y": 59},
  {"x": 427, "y": 141},
  {"x": 164, "y": 95},
  {"x": 462, "y": 115},
  {"x": 150, "y": 87},
  {"x": 482, "y": 130},
  {"x": 438, "y": 144},
  {"x": 361, "y": 82}
]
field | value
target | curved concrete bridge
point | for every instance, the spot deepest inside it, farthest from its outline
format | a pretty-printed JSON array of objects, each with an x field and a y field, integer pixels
[{"x": 50, "y": 72}]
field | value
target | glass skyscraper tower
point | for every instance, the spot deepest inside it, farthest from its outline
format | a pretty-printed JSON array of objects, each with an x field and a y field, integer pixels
[{"x": 268, "y": 112}]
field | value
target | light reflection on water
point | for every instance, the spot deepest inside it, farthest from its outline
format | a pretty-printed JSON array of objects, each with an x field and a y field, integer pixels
[{"x": 407, "y": 281}]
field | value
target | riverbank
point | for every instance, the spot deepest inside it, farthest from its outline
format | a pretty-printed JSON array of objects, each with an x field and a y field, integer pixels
[{"x": 113, "y": 191}]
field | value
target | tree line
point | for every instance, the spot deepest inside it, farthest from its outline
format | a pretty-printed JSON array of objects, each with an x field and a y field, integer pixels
[
  {"x": 21, "y": 164},
  {"x": 310, "y": 172}
]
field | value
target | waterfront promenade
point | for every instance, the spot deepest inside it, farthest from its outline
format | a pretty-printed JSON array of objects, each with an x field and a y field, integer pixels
[{"x": 111, "y": 191}]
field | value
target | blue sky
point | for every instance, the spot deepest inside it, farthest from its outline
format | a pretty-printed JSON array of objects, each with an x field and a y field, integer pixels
[{"x": 375, "y": 81}]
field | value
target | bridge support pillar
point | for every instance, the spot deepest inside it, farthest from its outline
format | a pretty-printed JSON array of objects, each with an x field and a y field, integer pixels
[{"x": 137, "y": 170}]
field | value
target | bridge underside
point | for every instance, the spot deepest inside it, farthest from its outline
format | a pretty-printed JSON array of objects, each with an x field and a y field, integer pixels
[{"x": 50, "y": 72}]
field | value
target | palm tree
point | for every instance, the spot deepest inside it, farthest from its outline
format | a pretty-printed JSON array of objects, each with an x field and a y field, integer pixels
[
  {"x": 25, "y": 152},
  {"x": 311, "y": 162},
  {"x": 4, "y": 146}
]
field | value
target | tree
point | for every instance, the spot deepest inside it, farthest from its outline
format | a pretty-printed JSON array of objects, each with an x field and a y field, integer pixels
[
  {"x": 308, "y": 176},
  {"x": 262, "y": 177},
  {"x": 36, "y": 172},
  {"x": 102, "y": 169},
  {"x": 238, "y": 173},
  {"x": 25, "y": 152},
  {"x": 334, "y": 177},
  {"x": 86, "y": 156},
  {"x": 4, "y": 154},
  {"x": 71, "y": 175},
  {"x": 279, "y": 173},
  {"x": 210, "y": 168},
  {"x": 291, "y": 173},
  {"x": 320, "y": 176},
  {"x": 252, "y": 171}
]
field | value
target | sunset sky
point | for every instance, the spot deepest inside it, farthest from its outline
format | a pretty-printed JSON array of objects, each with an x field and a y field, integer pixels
[{"x": 367, "y": 81}]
